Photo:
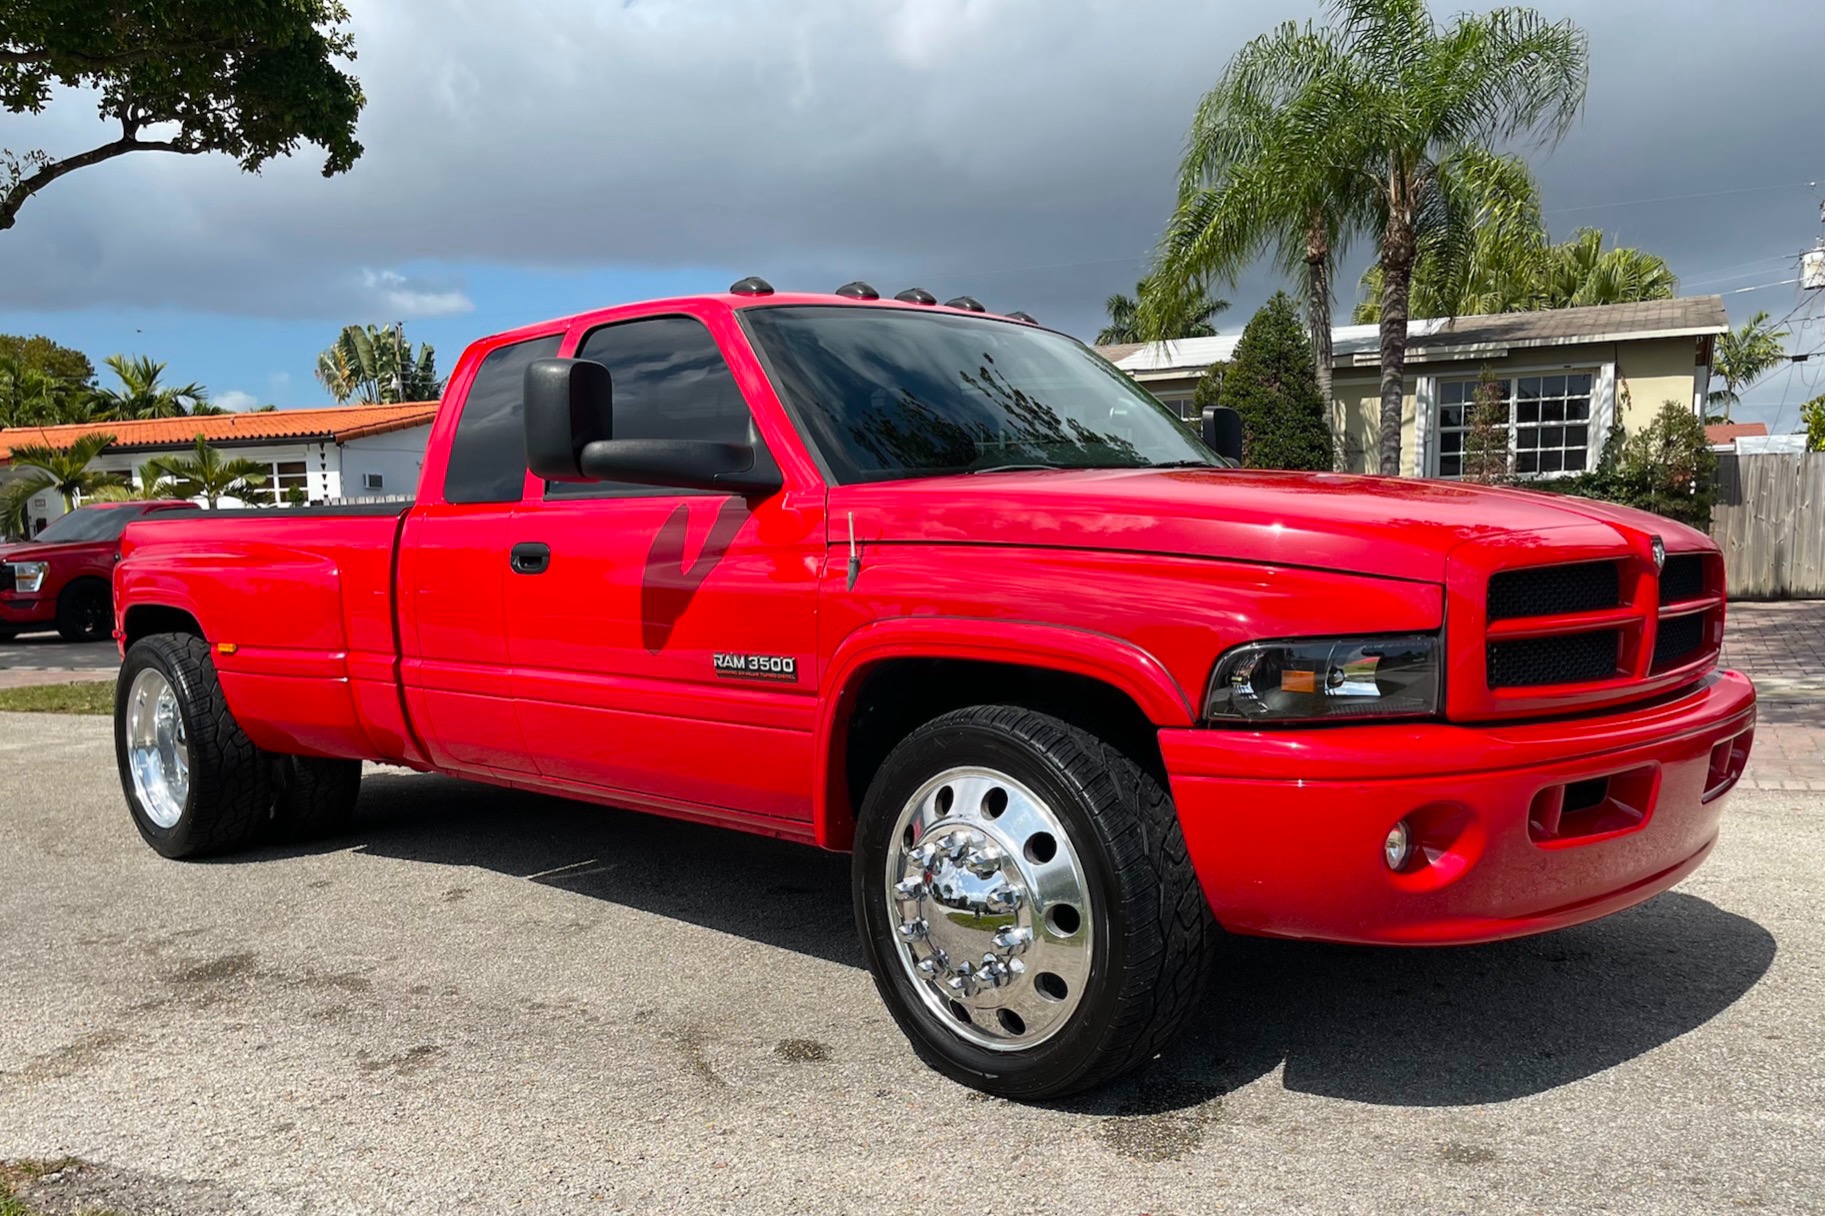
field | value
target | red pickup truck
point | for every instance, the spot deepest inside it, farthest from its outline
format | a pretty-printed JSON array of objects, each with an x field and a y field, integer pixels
[
  {"x": 946, "y": 590},
  {"x": 63, "y": 577}
]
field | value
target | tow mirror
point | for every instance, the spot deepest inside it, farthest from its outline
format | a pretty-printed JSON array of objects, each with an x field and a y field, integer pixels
[
  {"x": 569, "y": 405},
  {"x": 570, "y": 437},
  {"x": 1222, "y": 431}
]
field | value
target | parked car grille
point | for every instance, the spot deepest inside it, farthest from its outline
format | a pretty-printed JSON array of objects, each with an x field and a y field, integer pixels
[
  {"x": 1551, "y": 590},
  {"x": 1678, "y": 638},
  {"x": 1576, "y": 658},
  {"x": 1683, "y": 578}
]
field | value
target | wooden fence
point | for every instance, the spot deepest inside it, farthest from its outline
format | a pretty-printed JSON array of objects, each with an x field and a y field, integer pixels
[{"x": 1770, "y": 521}]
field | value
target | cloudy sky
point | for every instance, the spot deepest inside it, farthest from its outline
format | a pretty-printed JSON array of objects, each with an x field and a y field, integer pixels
[{"x": 1023, "y": 151}]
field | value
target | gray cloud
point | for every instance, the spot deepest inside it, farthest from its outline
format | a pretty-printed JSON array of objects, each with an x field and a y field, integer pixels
[{"x": 1021, "y": 150}]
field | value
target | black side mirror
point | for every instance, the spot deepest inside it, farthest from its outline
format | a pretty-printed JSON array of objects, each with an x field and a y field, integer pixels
[
  {"x": 1222, "y": 431},
  {"x": 569, "y": 405},
  {"x": 570, "y": 437}
]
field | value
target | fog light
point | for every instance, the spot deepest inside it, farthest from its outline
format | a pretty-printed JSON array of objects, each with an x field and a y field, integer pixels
[{"x": 1394, "y": 848}]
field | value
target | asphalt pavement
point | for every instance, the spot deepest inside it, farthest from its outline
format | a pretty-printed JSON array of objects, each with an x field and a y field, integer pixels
[{"x": 491, "y": 1002}]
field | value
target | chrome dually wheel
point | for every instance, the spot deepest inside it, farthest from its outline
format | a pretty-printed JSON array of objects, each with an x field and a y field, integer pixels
[
  {"x": 991, "y": 906},
  {"x": 158, "y": 749}
]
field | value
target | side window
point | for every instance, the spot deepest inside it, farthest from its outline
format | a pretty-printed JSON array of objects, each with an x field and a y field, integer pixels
[
  {"x": 670, "y": 382},
  {"x": 488, "y": 455}
]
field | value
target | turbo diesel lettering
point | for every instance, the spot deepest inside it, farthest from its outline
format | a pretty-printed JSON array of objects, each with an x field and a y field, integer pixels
[{"x": 756, "y": 667}]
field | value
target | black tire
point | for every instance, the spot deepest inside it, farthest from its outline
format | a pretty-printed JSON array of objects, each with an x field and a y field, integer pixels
[
  {"x": 1153, "y": 931},
  {"x": 85, "y": 611},
  {"x": 316, "y": 797},
  {"x": 230, "y": 795}
]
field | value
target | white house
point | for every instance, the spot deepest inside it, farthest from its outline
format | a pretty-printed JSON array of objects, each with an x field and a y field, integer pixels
[{"x": 353, "y": 451}]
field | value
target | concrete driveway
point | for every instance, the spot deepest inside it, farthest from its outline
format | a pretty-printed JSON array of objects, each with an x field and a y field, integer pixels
[
  {"x": 45, "y": 658},
  {"x": 488, "y": 1002}
]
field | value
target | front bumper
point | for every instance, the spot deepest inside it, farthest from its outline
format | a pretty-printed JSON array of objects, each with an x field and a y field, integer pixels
[
  {"x": 27, "y": 610},
  {"x": 1286, "y": 827}
]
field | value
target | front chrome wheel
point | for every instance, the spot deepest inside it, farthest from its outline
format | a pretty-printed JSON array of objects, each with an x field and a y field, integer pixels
[
  {"x": 158, "y": 750},
  {"x": 992, "y": 907}
]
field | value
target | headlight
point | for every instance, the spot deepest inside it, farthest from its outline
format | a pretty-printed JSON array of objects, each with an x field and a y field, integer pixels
[
  {"x": 29, "y": 576},
  {"x": 1324, "y": 679}
]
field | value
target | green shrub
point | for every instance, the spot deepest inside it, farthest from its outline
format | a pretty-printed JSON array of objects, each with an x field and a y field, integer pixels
[
  {"x": 1270, "y": 382},
  {"x": 1668, "y": 468}
]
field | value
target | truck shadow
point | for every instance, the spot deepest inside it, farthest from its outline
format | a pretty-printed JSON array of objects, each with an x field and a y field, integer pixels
[{"x": 1411, "y": 1027}]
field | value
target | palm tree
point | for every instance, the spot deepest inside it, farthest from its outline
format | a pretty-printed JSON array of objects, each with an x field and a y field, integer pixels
[
  {"x": 1190, "y": 318},
  {"x": 1255, "y": 179},
  {"x": 153, "y": 486},
  {"x": 1743, "y": 356},
  {"x": 1581, "y": 272},
  {"x": 28, "y": 396},
  {"x": 209, "y": 476},
  {"x": 1415, "y": 108},
  {"x": 63, "y": 470},
  {"x": 141, "y": 394},
  {"x": 376, "y": 365}
]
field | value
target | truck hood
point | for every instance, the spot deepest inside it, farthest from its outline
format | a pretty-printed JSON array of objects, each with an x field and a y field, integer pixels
[
  {"x": 1388, "y": 526},
  {"x": 32, "y": 551}
]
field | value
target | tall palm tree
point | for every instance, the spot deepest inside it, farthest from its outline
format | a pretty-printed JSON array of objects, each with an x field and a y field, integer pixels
[
  {"x": 143, "y": 395},
  {"x": 1581, "y": 272},
  {"x": 376, "y": 365},
  {"x": 1415, "y": 107},
  {"x": 65, "y": 471},
  {"x": 211, "y": 477},
  {"x": 1743, "y": 356},
  {"x": 153, "y": 485},
  {"x": 1256, "y": 178},
  {"x": 1189, "y": 319}
]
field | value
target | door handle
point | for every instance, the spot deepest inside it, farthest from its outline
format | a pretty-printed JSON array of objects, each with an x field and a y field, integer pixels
[{"x": 530, "y": 558}]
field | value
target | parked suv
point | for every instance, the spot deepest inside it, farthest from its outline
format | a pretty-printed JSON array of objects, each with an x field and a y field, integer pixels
[{"x": 64, "y": 576}]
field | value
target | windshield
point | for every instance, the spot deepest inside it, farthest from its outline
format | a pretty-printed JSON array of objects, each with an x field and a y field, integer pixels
[
  {"x": 891, "y": 393},
  {"x": 89, "y": 523}
]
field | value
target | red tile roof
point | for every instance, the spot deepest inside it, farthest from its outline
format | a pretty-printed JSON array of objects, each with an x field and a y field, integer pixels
[
  {"x": 1729, "y": 432},
  {"x": 339, "y": 423}
]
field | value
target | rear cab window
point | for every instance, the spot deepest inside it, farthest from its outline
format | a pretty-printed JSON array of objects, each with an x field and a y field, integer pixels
[{"x": 488, "y": 453}]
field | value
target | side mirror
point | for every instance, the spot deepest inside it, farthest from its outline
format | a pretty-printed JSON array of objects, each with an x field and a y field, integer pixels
[
  {"x": 569, "y": 405},
  {"x": 570, "y": 437},
  {"x": 1222, "y": 431}
]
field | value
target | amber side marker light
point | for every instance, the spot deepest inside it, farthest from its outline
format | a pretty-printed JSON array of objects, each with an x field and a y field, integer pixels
[{"x": 226, "y": 647}]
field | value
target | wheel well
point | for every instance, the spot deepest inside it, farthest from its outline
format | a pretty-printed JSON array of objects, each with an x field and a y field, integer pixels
[
  {"x": 87, "y": 580},
  {"x": 144, "y": 620},
  {"x": 899, "y": 695}
]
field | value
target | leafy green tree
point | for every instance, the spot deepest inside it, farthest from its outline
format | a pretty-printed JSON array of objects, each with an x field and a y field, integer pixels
[
  {"x": 252, "y": 80},
  {"x": 210, "y": 476},
  {"x": 62, "y": 363},
  {"x": 1667, "y": 467},
  {"x": 1257, "y": 178},
  {"x": 1209, "y": 391},
  {"x": 153, "y": 485},
  {"x": 143, "y": 393},
  {"x": 376, "y": 365},
  {"x": 1813, "y": 415},
  {"x": 1743, "y": 356},
  {"x": 64, "y": 471},
  {"x": 1190, "y": 317},
  {"x": 1581, "y": 272},
  {"x": 1270, "y": 382}
]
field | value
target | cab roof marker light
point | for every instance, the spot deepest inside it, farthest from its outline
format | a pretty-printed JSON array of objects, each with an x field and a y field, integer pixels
[
  {"x": 858, "y": 290},
  {"x": 753, "y": 285},
  {"x": 967, "y": 303},
  {"x": 916, "y": 295},
  {"x": 1025, "y": 318}
]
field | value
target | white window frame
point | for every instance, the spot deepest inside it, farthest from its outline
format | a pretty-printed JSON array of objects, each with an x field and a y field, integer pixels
[{"x": 1603, "y": 411}]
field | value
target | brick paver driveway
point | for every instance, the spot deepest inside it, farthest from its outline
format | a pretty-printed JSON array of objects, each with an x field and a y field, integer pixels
[{"x": 1782, "y": 648}]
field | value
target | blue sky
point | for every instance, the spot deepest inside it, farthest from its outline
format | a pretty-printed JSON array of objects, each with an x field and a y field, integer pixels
[{"x": 1022, "y": 151}]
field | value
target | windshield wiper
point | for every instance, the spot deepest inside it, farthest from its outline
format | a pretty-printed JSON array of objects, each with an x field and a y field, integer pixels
[
  {"x": 1011, "y": 468},
  {"x": 1183, "y": 464}
]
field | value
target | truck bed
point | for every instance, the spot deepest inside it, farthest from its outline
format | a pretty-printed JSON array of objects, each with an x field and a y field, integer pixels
[{"x": 299, "y": 607}]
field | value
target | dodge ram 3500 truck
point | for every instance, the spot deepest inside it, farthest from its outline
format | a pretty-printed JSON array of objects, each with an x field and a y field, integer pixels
[{"x": 948, "y": 591}]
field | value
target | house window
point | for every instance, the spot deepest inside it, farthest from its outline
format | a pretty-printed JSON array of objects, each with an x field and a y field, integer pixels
[
  {"x": 1548, "y": 419},
  {"x": 1182, "y": 404},
  {"x": 286, "y": 481}
]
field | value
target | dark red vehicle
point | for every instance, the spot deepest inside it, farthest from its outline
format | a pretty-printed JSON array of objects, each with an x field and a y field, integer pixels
[
  {"x": 947, "y": 590},
  {"x": 64, "y": 577}
]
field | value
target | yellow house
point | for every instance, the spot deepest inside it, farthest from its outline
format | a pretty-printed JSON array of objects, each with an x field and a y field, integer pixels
[{"x": 1569, "y": 375}]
